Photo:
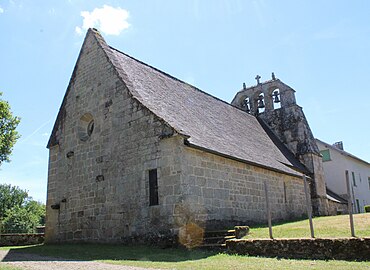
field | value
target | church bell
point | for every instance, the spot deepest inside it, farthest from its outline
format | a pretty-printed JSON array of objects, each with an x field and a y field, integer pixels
[
  {"x": 260, "y": 102},
  {"x": 275, "y": 95}
]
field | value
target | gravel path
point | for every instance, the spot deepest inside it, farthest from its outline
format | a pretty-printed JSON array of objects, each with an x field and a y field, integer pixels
[{"x": 37, "y": 262}]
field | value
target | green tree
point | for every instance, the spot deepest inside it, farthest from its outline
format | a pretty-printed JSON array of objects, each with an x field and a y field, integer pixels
[
  {"x": 18, "y": 212},
  {"x": 38, "y": 209},
  {"x": 11, "y": 196},
  {"x": 19, "y": 220},
  {"x": 8, "y": 133}
]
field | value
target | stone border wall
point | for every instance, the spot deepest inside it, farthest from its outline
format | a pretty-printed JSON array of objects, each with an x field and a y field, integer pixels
[
  {"x": 317, "y": 248},
  {"x": 21, "y": 239}
]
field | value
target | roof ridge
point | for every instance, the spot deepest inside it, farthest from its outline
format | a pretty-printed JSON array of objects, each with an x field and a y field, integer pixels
[{"x": 177, "y": 79}]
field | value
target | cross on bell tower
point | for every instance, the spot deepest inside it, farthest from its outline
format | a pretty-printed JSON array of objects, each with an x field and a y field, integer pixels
[{"x": 258, "y": 77}]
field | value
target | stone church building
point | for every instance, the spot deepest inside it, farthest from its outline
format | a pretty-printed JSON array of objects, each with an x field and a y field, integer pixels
[{"x": 137, "y": 153}]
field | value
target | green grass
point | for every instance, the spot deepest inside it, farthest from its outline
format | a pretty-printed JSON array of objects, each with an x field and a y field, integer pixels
[
  {"x": 8, "y": 267},
  {"x": 333, "y": 226},
  {"x": 143, "y": 256}
]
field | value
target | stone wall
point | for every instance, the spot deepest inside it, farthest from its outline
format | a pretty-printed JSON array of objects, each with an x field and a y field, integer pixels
[
  {"x": 98, "y": 182},
  {"x": 336, "y": 208},
  {"x": 325, "y": 249},
  {"x": 21, "y": 239},
  {"x": 223, "y": 192}
]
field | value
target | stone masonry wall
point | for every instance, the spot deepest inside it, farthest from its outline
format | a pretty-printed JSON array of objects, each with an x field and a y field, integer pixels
[
  {"x": 100, "y": 182},
  {"x": 315, "y": 248},
  {"x": 21, "y": 239},
  {"x": 222, "y": 192}
]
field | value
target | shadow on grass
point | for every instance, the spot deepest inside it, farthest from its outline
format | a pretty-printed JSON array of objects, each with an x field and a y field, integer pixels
[{"x": 90, "y": 252}]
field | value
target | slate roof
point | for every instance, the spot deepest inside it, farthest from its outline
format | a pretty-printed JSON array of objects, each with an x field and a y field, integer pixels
[
  {"x": 208, "y": 122},
  {"x": 331, "y": 195}
]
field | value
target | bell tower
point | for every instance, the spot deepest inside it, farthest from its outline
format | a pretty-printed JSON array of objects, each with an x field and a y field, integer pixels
[{"x": 274, "y": 103}]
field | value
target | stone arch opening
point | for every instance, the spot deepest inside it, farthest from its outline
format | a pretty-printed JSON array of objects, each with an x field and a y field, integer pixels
[
  {"x": 260, "y": 103},
  {"x": 247, "y": 104}
]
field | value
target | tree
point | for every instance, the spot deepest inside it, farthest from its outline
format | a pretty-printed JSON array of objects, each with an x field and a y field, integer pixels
[
  {"x": 24, "y": 219},
  {"x": 38, "y": 210},
  {"x": 19, "y": 220},
  {"x": 18, "y": 212},
  {"x": 10, "y": 197},
  {"x": 8, "y": 134}
]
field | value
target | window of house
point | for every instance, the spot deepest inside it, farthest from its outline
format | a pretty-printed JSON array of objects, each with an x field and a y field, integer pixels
[
  {"x": 368, "y": 179},
  {"x": 354, "y": 179},
  {"x": 358, "y": 206},
  {"x": 325, "y": 155},
  {"x": 153, "y": 187}
]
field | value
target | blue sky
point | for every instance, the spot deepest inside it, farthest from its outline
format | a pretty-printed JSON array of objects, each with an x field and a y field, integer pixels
[{"x": 320, "y": 48}]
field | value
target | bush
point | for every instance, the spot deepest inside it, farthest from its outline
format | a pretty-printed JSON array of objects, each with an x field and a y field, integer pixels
[{"x": 367, "y": 208}]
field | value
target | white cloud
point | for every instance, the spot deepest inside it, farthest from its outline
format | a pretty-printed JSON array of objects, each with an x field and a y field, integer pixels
[
  {"x": 1, "y": 10},
  {"x": 109, "y": 20},
  {"x": 78, "y": 30}
]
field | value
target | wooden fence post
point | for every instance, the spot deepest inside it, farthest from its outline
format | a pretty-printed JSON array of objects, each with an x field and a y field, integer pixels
[
  {"x": 349, "y": 194},
  {"x": 309, "y": 206},
  {"x": 268, "y": 210}
]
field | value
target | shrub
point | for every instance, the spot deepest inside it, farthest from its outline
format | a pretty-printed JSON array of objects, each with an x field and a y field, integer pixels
[{"x": 367, "y": 208}]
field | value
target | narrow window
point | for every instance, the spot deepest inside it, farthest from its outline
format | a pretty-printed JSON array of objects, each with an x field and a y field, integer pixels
[
  {"x": 368, "y": 179},
  {"x": 153, "y": 187},
  {"x": 325, "y": 155},
  {"x": 358, "y": 206},
  {"x": 354, "y": 179},
  {"x": 285, "y": 199}
]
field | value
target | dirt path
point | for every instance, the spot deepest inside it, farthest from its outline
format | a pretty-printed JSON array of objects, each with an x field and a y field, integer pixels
[{"x": 36, "y": 262}]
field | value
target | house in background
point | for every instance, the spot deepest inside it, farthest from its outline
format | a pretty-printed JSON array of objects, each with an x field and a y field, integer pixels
[{"x": 336, "y": 161}]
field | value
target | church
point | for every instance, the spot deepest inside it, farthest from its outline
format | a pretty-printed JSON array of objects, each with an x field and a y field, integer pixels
[{"x": 136, "y": 153}]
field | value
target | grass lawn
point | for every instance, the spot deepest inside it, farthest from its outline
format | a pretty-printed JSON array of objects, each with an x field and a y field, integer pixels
[
  {"x": 180, "y": 258},
  {"x": 8, "y": 267},
  {"x": 333, "y": 226}
]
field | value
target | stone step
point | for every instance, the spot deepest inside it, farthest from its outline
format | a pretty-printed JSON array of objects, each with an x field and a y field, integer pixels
[
  {"x": 213, "y": 246},
  {"x": 217, "y": 239},
  {"x": 219, "y": 233}
]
